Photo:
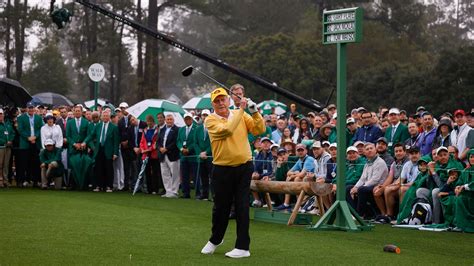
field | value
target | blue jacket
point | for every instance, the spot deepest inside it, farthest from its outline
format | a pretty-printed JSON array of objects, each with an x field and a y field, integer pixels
[
  {"x": 263, "y": 163},
  {"x": 368, "y": 134}
]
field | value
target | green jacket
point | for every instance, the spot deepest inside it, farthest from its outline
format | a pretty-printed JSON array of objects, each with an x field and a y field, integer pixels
[
  {"x": 73, "y": 136},
  {"x": 48, "y": 157},
  {"x": 6, "y": 133},
  {"x": 190, "y": 143},
  {"x": 111, "y": 142},
  {"x": 400, "y": 136},
  {"x": 24, "y": 130},
  {"x": 354, "y": 170},
  {"x": 202, "y": 142}
]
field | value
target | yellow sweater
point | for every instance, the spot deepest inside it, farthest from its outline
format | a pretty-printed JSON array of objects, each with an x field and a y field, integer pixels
[{"x": 229, "y": 136}]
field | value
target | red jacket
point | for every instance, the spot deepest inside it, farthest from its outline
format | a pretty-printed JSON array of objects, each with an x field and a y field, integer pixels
[{"x": 144, "y": 145}]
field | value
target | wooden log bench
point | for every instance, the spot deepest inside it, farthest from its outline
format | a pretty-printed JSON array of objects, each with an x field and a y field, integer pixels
[{"x": 301, "y": 189}]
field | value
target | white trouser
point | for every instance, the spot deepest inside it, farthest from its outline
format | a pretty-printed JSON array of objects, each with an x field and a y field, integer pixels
[
  {"x": 170, "y": 175},
  {"x": 119, "y": 173}
]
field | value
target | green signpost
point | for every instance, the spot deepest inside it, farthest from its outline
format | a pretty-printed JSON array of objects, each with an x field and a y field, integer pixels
[
  {"x": 96, "y": 73},
  {"x": 340, "y": 27}
]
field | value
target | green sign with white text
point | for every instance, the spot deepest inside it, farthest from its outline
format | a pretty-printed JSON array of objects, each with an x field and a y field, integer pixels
[{"x": 342, "y": 25}]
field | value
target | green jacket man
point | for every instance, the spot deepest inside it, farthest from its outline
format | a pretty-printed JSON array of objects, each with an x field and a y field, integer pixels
[
  {"x": 202, "y": 143},
  {"x": 76, "y": 130},
  {"x": 396, "y": 132},
  {"x": 110, "y": 141},
  {"x": 186, "y": 140},
  {"x": 54, "y": 155},
  {"x": 29, "y": 124},
  {"x": 7, "y": 134}
]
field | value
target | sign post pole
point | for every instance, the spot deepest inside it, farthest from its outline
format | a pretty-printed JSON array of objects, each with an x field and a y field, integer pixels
[
  {"x": 341, "y": 27},
  {"x": 96, "y": 73}
]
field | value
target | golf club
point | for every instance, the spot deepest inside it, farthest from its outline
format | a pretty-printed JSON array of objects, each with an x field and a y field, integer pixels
[{"x": 187, "y": 71}]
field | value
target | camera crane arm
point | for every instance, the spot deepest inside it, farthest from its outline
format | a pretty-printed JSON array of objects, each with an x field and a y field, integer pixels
[{"x": 311, "y": 104}]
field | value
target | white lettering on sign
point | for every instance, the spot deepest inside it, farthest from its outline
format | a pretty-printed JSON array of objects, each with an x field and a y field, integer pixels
[
  {"x": 340, "y": 16},
  {"x": 344, "y": 37},
  {"x": 341, "y": 26}
]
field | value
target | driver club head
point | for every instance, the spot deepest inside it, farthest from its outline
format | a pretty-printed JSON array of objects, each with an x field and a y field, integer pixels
[{"x": 187, "y": 71}]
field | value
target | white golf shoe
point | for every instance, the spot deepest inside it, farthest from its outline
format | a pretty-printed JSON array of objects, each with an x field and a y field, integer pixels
[
  {"x": 209, "y": 248},
  {"x": 238, "y": 253}
]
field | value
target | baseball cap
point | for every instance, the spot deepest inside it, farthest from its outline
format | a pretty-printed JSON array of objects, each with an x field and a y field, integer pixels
[
  {"x": 331, "y": 106},
  {"x": 453, "y": 170},
  {"x": 351, "y": 148},
  {"x": 420, "y": 108},
  {"x": 218, "y": 92},
  {"x": 187, "y": 115},
  {"x": 413, "y": 148},
  {"x": 317, "y": 144},
  {"x": 394, "y": 111},
  {"x": 30, "y": 105},
  {"x": 355, "y": 110},
  {"x": 118, "y": 110},
  {"x": 360, "y": 109},
  {"x": 266, "y": 139},
  {"x": 357, "y": 143},
  {"x": 440, "y": 149},
  {"x": 123, "y": 105},
  {"x": 326, "y": 143},
  {"x": 1, "y": 111},
  {"x": 300, "y": 146},
  {"x": 333, "y": 145},
  {"x": 334, "y": 116},
  {"x": 382, "y": 139},
  {"x": 205, "y": 112},
  {"x": 48, "y": 142},
  {"x": 459, "y": 112},
  {"x": 281, "y": 150},
  {"x": 350, "y": 120},
  {"x": 311, "y": 114},
  {"x": 274, "y": 145}
]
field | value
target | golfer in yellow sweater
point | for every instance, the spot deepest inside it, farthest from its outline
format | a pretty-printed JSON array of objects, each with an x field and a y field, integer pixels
[{"x": 228, "y": 132}]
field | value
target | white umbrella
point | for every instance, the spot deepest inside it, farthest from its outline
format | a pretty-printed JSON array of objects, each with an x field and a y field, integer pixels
[{"x": 155, "y": 106}]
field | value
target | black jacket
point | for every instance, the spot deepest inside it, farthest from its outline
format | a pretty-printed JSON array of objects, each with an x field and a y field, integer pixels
[
  {"x": 131, "y": 134},
  {"x": 170, "y": 145}
]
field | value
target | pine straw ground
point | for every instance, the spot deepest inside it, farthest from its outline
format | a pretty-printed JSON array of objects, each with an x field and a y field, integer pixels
[{"x": 64, "y": 227}]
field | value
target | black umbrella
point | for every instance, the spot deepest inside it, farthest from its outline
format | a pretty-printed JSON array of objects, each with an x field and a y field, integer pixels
[
  {"x": 53, "y": 99},
  {"x": 12, "y": 93}
]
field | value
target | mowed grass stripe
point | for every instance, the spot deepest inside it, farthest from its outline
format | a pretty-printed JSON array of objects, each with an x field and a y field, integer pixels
[{"x": 64, "y": 227}]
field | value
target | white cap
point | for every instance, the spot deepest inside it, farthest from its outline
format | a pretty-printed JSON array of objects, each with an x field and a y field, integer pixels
[
  {"x": 274, "y": 145},
  {"x": 394, "y": 111},
  {"x": 442, "y": 148},
  {"x": 326, "y": 142},
  {"x": 333, "y": 145},
  {"x": 351, "y": 148},
  {"x": 48, "y": 142},
  {"x": 188, "y": 115},
  {"x": 205, "y": 112},
  {"x": 123, "y": 105},
  {"x": 1, "y": 111},
  {"x": 357, "y": 143},
  {"x": 334, "y": 116},
  {"x": 316, "y": 144},
  {"x": 350, "y": 120}
]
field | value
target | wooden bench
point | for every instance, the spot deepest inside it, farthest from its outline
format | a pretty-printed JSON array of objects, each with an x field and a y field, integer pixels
[{"x": 301, "y": 189}]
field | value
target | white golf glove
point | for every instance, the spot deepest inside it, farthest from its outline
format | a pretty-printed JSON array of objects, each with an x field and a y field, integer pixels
[{"x": 252, "y": 106}]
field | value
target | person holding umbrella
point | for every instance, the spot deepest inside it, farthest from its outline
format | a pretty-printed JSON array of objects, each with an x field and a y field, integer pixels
[
  {"x": 148, "y": 149},
  {"x": 232, "y": 159}
]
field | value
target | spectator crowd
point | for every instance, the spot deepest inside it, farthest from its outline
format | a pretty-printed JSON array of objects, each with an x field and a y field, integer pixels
[{"x": 394, "y": 159}]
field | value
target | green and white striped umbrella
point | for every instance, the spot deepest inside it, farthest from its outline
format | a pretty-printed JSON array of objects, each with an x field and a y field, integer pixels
[
  {"x": 266, "y": 107},
  {"x": 155, "y": 106},
  {"x": 199, "y": 102}
]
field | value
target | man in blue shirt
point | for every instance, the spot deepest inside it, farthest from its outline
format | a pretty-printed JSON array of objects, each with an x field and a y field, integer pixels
[
  {"x": 263, "y": 167},
  {"x": 304, "y": 165},
  {"x": 428, "y": 135},
  {"x": 369, "y": 132}
]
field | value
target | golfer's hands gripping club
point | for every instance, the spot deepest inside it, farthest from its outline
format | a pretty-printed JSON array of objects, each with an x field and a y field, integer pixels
[{"x": 252, "y": 106}]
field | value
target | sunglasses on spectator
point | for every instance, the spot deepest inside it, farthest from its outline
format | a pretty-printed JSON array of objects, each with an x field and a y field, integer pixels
[{"x": 300, "y": 150}]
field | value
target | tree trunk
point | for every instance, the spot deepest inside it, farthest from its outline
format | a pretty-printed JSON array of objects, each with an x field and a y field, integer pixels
[
  {"x": 8, "y": 54},
  {"x": 140, "y": 53},
  {"x": 151, "y": 78},
  {"x": 19, "y": 28},
  {"x": 120, "y": 71},
  {"x": 90, "y": 20}
]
